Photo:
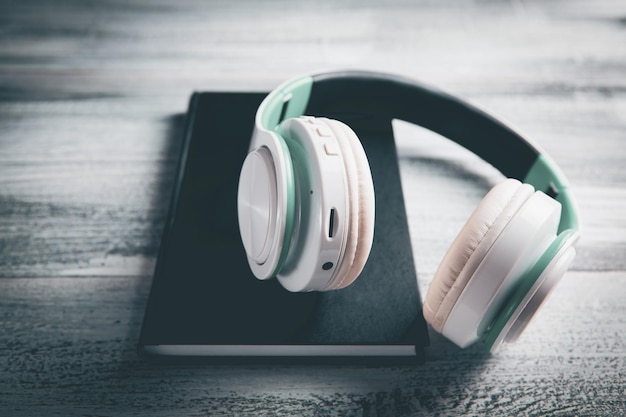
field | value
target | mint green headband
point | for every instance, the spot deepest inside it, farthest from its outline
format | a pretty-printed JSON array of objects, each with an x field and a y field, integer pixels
[{"x": 371, "y": 99}]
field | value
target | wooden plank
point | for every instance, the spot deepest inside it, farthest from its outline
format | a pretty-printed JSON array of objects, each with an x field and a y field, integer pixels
[{"x": 69, "y": 348}]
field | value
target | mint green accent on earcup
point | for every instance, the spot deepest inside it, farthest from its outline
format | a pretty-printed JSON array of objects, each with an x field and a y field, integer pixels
[
  {"x": 296, "y": 92},
  {"x": 300, "y": 169},
  {"x": 291, "y": 206},
  {"x": 545, "y": 174},
  {"x": 287, "y": 101},
  {"x": 526, "y": 282}
]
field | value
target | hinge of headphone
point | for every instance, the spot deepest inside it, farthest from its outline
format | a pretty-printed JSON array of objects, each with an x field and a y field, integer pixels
[{"x": 552, "y": 191}]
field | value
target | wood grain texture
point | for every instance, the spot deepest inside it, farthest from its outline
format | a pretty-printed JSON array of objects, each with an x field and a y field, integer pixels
[
  {"x": 70, "y": 349},
  {"x": 91, "y": 97}
]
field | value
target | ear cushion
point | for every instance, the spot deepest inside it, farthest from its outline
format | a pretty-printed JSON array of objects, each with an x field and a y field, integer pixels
[
  {"x": 470, "y": 247},
  {"x": 360, "y": 216}
]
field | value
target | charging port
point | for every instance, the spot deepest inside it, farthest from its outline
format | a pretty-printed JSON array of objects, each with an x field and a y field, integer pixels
[{"x": 331, "y": 224}]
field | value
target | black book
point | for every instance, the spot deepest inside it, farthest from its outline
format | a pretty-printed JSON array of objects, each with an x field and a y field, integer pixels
[{"x": 204, "y": 301}]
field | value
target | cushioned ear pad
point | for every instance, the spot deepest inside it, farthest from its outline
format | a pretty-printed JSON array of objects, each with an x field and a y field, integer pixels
[
  {"x": 470, "y": 247},
  {"x": 360, "y": 216}
]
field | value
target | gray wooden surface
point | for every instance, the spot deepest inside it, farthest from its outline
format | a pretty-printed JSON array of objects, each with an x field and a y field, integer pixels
[{"x": 91, "y": 95}]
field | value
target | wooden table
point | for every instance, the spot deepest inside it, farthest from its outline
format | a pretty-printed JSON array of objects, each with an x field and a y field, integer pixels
[{"x": 91, "y": 98}]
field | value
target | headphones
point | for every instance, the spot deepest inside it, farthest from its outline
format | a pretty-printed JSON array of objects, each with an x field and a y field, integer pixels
[{"x": 306, "y": 202}]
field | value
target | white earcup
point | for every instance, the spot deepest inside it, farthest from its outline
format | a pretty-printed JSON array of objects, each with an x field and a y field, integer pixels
[
  {"x": 265, "y": 203},
  {"x": 334, "y": 209},
  {"x": 361, "y": 212},
  {"x": 507, "y": 232},
  {"x": 469, "y": 248}
]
